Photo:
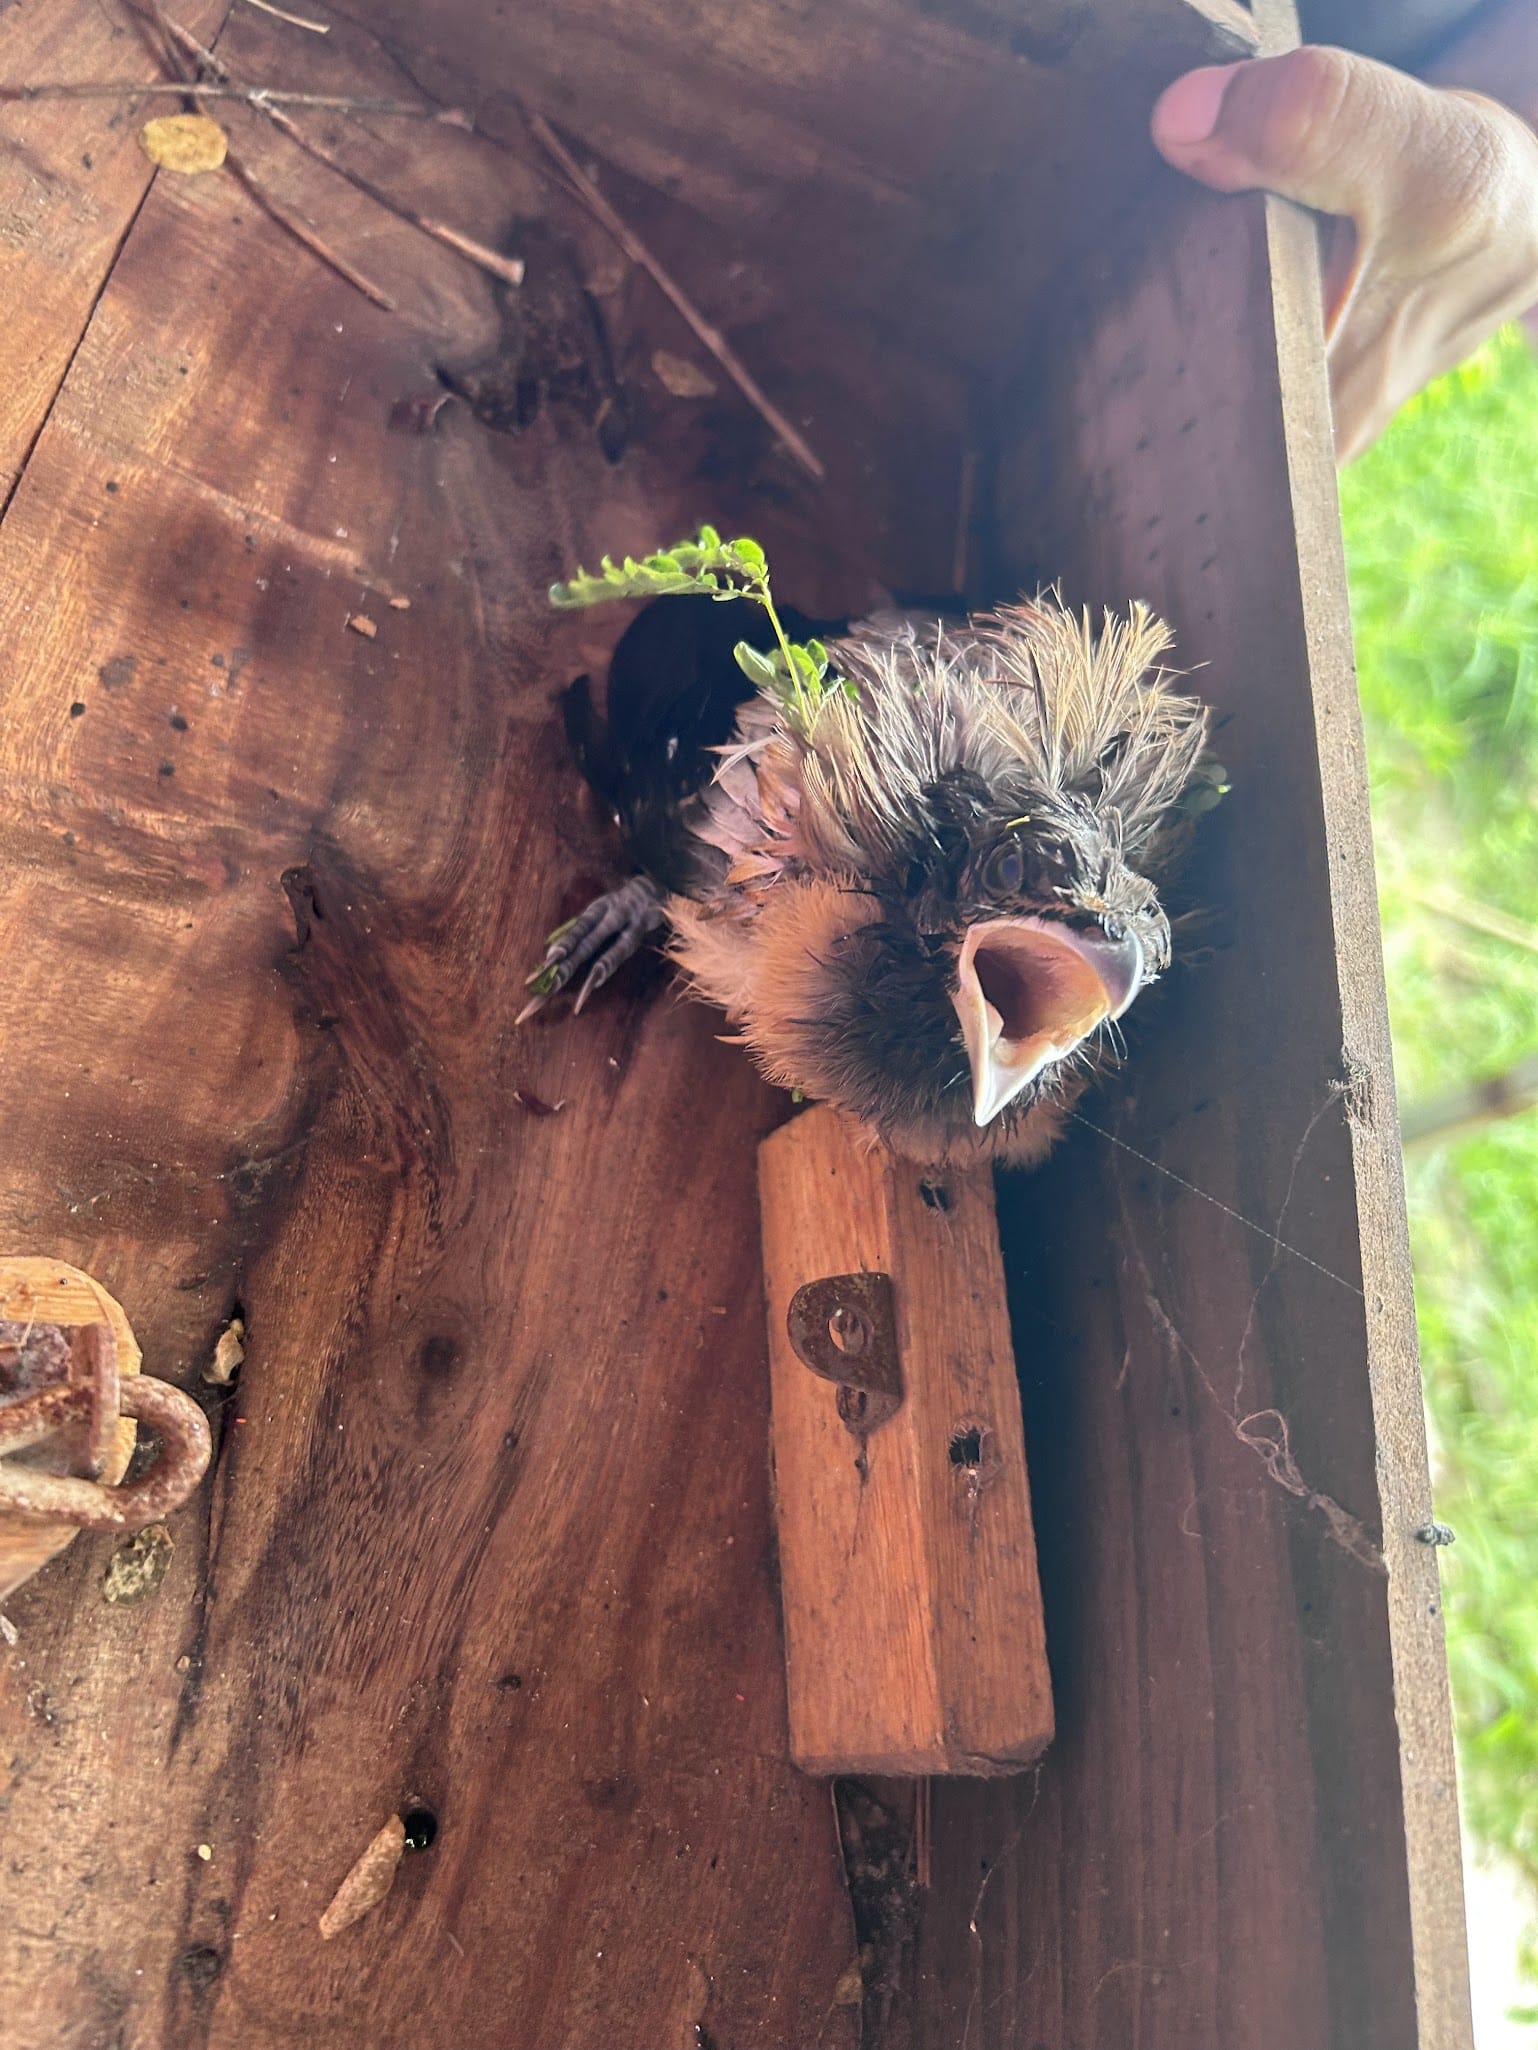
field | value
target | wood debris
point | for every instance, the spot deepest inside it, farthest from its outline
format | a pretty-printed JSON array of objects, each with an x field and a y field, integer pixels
[
  {"x": 362, "y": 624},
  {"x": 368, "y": 1882},
  {"x": 681, "y": 378},
  {"x": 400, "y": 604},
  {"x": 228, "y": 1354},
  {"x": 316, "y": 28},
  {"x": 709, "y": 336}
]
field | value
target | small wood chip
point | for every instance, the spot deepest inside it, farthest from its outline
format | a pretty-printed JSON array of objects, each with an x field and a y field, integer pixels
[
  {"x": 205, "y": 1852},
  {"x": 189, "y": 143},
  {"x": 9, "y": 1631},
  {"x": 228, "y": 1354},
  {"x": 368, "y": 1882},
  {"x": 362, "y": 624},
  {"x": 685, "y": 380},
  {"x": 400, "y": 604}
]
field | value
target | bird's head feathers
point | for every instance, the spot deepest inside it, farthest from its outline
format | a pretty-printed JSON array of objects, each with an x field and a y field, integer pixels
[{"x": 940, "y": 895}]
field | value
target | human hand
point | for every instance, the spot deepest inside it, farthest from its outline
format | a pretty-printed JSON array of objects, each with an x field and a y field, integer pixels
[{"x": 1433, "y": 195}]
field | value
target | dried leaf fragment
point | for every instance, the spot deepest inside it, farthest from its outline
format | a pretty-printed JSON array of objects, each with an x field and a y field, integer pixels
[
  {"x": 362, "y": 624},
  {"x": 189, "y": 143},
  {"x": 850, "y": 1990},
  {"x": 685, "y": 380},
  {"x": 368, "y": 1882},
  {"x": 228, "y": 1354},
  {"x": 137, "y": 1568}
]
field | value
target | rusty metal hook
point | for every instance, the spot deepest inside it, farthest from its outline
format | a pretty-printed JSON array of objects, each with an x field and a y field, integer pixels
[{"x": 90, "y": 1401}]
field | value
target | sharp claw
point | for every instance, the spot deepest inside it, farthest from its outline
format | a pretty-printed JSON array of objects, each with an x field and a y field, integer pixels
[
  {"x": 595, "y": 981},
  {"x": 599, "y": 940},
  {"x": 530, "y": 1010}
]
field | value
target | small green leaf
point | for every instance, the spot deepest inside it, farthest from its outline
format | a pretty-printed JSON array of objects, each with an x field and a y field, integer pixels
[{"x": 761, "y": 670}]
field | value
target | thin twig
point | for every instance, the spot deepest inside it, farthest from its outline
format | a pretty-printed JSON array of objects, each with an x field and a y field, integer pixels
[
  {"x": 506, "y": 268},
  {"x": 174, "y": 60},
  {"x": 1481, "y": 918},
  {"x": 316, "y": 28},
  {"x": 303, "y": 232},
  {"x": 254, "y": 95},
  {"x": 710, "y": 337}
]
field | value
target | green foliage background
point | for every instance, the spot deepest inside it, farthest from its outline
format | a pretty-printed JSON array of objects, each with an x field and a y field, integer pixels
[{"x": 1442, "y": 545}]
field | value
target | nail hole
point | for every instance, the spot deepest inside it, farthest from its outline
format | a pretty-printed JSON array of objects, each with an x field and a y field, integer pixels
[
  {"x": 935, "y": 1195},
  {"x": 967, "y": 1447},
  {"x": 853, "y": 1403},
  {"x": 848, "y": 1329},
  {"x": 421, "y": 1827}
]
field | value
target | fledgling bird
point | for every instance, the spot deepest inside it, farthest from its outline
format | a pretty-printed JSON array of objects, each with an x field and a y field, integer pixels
[{"x": 930, "y": 901}]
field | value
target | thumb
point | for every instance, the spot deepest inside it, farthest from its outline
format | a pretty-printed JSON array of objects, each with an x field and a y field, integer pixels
[{"x": 1318, "y": 125}]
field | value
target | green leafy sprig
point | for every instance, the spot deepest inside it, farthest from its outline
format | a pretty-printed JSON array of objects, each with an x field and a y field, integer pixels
[{"x": 795, "y": 675}]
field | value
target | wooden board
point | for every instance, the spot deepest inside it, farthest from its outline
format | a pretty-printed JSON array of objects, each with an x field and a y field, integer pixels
[
  {"x": 912, "y": 1609},
  {"x": 70, "y": 186},
  {"x": 1246, "y": 1833}
]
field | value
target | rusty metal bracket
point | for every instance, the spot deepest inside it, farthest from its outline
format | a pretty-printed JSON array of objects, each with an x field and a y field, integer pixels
[
  {"x": 78, "y": 1396},
  {"x": 844, "y": 1328}
]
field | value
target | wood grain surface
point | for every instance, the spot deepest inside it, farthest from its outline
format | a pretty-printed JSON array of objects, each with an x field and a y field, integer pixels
[
  {"x": 70, "y": 185},
  {"x": 1246, "y": 1833},
  {"x": 912, "y": 1608},
  {"x": 489, "y": 1528},
  {"x": 488, "y": 1532}
]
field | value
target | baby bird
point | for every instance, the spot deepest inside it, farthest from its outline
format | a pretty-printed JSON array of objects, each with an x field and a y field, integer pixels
[{"x": 929, "y": 902}]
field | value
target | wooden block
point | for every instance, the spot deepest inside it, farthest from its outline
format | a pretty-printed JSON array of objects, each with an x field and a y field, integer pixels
[{"x": 913, "y": 1625}]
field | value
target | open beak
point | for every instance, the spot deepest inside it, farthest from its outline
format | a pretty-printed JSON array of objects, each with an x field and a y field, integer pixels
[{"x": 1030, "y": 990}]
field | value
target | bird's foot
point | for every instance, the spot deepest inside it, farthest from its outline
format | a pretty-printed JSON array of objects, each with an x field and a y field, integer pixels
[{"x": 599, "y": 940}]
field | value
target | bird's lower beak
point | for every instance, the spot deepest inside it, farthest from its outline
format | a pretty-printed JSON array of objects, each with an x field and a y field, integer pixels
[{"x": 1029, "y": 990}]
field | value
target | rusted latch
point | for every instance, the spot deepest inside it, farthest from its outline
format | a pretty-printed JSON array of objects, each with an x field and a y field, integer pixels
[
  {"x": 71, "y": 1395},
  {"x": 845, "y": 1329},
  {"x": 63, "y": 1384}
]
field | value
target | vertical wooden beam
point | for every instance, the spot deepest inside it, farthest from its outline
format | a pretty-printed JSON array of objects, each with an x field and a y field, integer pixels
[
  {"x": 1246, "y": 1832},
  {"x": 913, "y": 1627}
]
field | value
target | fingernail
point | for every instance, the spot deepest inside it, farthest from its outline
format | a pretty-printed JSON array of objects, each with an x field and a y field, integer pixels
[{"x": 1188, "y": 110}]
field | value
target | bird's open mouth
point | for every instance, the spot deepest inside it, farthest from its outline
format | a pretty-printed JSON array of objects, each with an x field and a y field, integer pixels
[{"x": 1029, "y": 990}]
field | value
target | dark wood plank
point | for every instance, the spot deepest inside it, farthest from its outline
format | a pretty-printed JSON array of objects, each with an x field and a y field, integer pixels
[
  {"x": 926, "y": 165},
  {"x": 72, "y": 177},
  {"x": 1246, "y": 1833},
  {"x": 489, "y": 1526}
]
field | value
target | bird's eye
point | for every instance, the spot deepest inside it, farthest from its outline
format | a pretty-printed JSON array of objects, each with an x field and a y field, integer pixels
[{"x": 1004, "y": 870}]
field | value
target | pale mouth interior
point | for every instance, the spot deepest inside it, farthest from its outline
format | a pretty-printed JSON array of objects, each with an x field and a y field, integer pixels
[
  {"x": 1028, "y": 991},
  {"x": 1042, "y": 990}
]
